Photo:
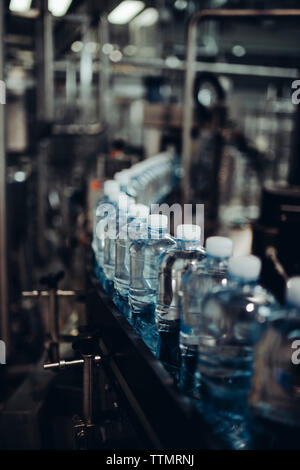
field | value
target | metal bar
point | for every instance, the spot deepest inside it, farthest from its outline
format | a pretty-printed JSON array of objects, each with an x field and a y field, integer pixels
[
  {"x": 4, "y": 322},
  {"x": 200, "y": 17},
  {"x": 88, "y": 376},
  {"x": 214, "y": 67},
  {"x": 104, "y": 73},
  {"x": 54, "y": 325},
  {"x": 45, "y": 53}
]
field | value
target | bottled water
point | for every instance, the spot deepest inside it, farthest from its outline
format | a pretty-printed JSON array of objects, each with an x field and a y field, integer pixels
[
  {"x": 114, "y": 222},
  {"x": 172, "y": 267},
  {"x": 111, "y": 191},
  {"x": 197, "y": 282},
  {"x": 144, "y": 261},
  {"x": 274, "y": 397},
  {"x": 232, "y": 321},
  {"x": 134, "y": 229},
  {"x": 110, "y": 187}
]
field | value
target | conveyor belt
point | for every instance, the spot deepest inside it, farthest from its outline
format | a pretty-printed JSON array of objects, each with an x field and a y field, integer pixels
[{"x": 164, "y": 418}]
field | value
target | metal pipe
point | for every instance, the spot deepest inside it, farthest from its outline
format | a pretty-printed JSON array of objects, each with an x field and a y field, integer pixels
[
  {"x": 54, "y": 325},
  {"x": 45, "y": 53},
  {"x": 4, "y": 322},
  {"x": 200, "y": 17},
  {"x": 88, "y": 376}
]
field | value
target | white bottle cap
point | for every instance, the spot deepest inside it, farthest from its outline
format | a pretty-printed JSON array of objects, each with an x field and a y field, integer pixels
[
  {"x": 245, "y": 267},
  {"x": 124, "y": 202},
  {"x": 123, "y": 177},
  {"x": 189, "y": 232},
  {"x": 158, "y": 222},
  {"x": 114, "y": 197},
  {"x": 111, "y": 187},
  {"x": 139, "y": 211},
  {"x": 293, "y": 291},
  {"x": 219, "y": 247}
]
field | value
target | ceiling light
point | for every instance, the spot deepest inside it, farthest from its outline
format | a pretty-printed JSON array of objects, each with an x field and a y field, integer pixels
[
  {"x": 125, "y": 11},
  {"x": 20, "y": 5},
  {"x": 59, "y": 7},
  {"x": 147, "y": 18}
]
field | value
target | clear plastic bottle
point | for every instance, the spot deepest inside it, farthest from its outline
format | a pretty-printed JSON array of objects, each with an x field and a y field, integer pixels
[
  {"x": 134, "y": 229},
  {"x": 275, "y": 397},
  {"x": 144, "y": 261},
  {"x": 111, "y": 192},
  {"x": 172, "y": 267},
  {"x": 114, "y": 222},
  {"x": 197, "y": 282},
  {"x": 232, "y": 321},
  {"x": 110, "y": 187}
]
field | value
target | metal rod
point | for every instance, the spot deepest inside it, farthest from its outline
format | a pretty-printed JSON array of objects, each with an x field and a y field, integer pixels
[
  {"x": 4, "y": 322},
  {"x": 54, "y": 325},
  {"x": 45, "y": 50},
  {"x": 214, "y": 67},
  {"x": 199, "y": 17},
  {"x": 88, "y": 388}
]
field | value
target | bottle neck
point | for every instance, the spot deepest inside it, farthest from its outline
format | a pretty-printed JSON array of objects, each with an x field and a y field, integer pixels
[
  {"x": 156, "y": 234},
  {"x": 243, "y": 282},
  {"x": 217, "y": 262},
  {"x": 186, "y": 245}
]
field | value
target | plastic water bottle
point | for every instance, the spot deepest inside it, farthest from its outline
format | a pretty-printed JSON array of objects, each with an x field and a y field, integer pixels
[
  {"x": 110, "y": 187},
  {"x": 135, "y": 228},
  {"x": 275, "y": 397},
  {"x": 144, "y": 261},
  {"x": 111, "y": 191},
  {"x": 114, "y": 222},
  {"x": 172, "y": 267},
  {"x": 232, "y": 321},
  {"x": 197, "y": 282}
]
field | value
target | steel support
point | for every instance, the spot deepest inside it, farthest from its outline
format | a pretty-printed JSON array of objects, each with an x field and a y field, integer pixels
[{"x": 4, "y": 322}]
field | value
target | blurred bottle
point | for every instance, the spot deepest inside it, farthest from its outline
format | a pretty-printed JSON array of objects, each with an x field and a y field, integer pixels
[
  {"x": 135, "y": 228},
  {"x": 197, "y": 282},
  {"x": 114, "y": 222},
  {"x": 233, "y": 320},
  {"x": 144, "y": 261},
  {"x": 111, "y": 191},
  {"x": 172, "y": 267},
  {"x": 275, "y": 397}
]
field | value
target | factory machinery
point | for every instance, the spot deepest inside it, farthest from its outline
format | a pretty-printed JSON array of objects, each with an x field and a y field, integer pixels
[{"x": 91, "y": 382}]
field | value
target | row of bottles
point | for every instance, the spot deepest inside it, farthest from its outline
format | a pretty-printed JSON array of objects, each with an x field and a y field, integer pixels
[{"x": 223, "y": 338}]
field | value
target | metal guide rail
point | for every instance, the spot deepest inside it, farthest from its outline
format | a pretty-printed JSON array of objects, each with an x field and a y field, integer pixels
[{"x": 163, "y": 417}]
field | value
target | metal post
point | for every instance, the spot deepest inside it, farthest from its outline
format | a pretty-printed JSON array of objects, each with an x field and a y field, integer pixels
[
  {"x": 86, "y": 73},
  {"x": 45, "y": 55},
  {"x": 54, "y": 325},
  {"x": 4, "y": 323},
  {"x": 104, "y": 75},
  {"x": 88, "y": 373},
  {"x": 200, "y": 16}
]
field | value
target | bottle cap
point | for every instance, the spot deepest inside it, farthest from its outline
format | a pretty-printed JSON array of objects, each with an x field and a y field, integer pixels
[
  {"x": 189, "y": 232},
  {"x": 124, "y": 202},
  {"x": 123, "y": 177},
  {"x": 219, "y": 247},
  {"x": 139, "y": 211},
  {"x": 293, "y": 291},
  {"x": 158, "y": 222},
  {"x": 111, "y": 187},
  {"x": 245, "y": 267}
]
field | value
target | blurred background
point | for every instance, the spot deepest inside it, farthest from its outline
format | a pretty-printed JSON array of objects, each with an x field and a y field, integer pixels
[{"x": 95, "y": 86}]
